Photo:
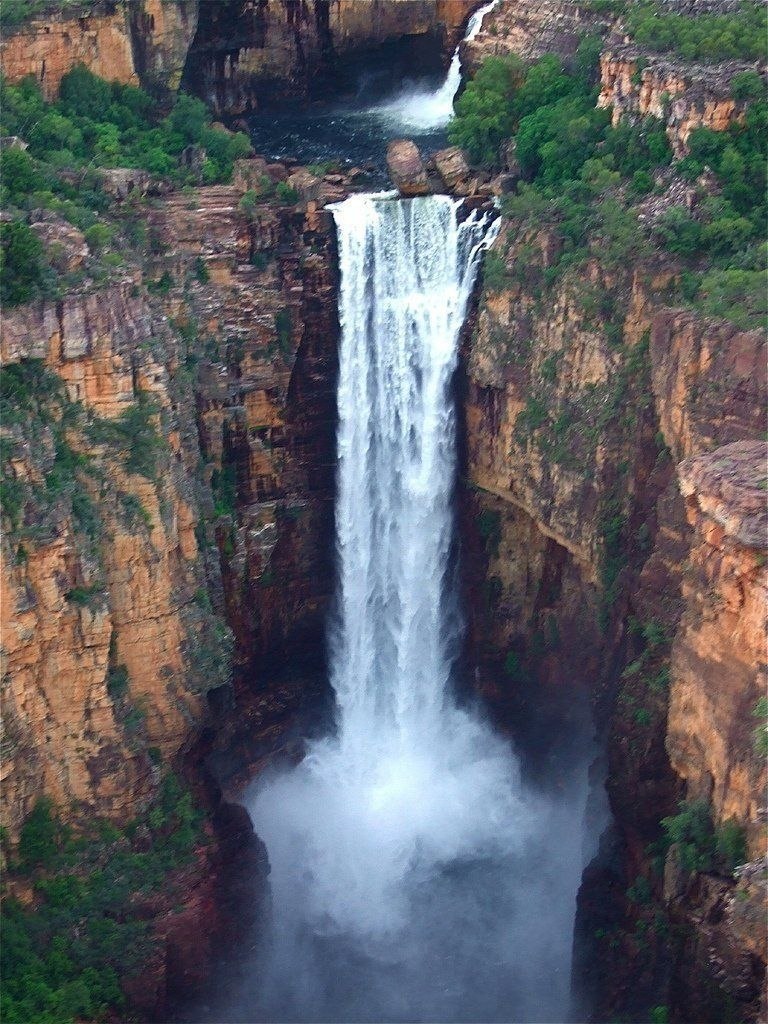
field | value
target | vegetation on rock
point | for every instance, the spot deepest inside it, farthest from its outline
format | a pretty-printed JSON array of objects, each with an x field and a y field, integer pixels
[
  {"x": 63, "y": 956},
  {"x": 94, "y": 124},
  {"x": 586, "y": 178}
]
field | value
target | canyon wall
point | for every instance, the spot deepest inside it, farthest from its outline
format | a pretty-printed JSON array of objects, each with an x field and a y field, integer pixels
[
  {"x": 615, "y": 541},
  {"x": 170, "y": 497},
  {"x": 238, "y": 55},
  {"x": 130, "y": 42},
  {"x": 635, "y": 84}
]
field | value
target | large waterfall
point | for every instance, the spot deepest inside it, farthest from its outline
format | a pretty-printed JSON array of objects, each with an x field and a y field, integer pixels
[{"x": 412, "y": 879}]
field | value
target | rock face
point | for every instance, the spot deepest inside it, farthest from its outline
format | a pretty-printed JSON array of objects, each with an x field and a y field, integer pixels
[
  {"x": 636, "y": 84},
  {"x": 616, "y": 509},
  {"x": 48, "y": 48},
  {"x": 161, "y": 34},
  {"x": 406, "y": 168},
  {"x": 67, "y": 734},
  {"x": 452, "y": 167},
  {"x": 718, "y": 663},
  {"x": 113, "y": 603},
  {"x": 238, "y": 55},
  {"x": 532, "y": 28},
  {"x": 247, "y": 56}
]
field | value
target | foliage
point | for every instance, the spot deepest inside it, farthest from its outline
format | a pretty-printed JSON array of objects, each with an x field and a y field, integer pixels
[
  {"x": 134, "y": 435},
  {"x": 37, "y": 841},
  {"x": 224, "y": 488},
  {"x": 20, "y": 263},
  {"x": 98, "y": 123},
  {"x": 62, "y": 958},
  {"x": 285, "y": 193},
  {"x": 700, "y": 846},
  {"x": 747, "y": 85},
  {"x": 18, "y": 174},
  {"x": 283, "y": 329},
  {"x": 484, "y": 112},
  {"x": 760, "y": 710},
  {"x": 495, "y": 275},
  {"x": 709, "y": 37}
]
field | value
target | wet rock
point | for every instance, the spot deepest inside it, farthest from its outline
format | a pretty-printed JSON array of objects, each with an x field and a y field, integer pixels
[{"x": 406, "y": 168}]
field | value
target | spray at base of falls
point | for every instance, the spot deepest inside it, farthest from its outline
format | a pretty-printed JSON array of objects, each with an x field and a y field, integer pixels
[
  {"x": 409, "y": 874},
  {"x": 423, "y": 109}
]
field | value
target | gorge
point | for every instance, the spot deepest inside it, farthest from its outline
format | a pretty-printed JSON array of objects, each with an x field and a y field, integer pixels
[{"x": 419, "y": 525}]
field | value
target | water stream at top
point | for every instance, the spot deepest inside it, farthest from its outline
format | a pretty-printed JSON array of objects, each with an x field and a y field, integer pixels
[
  {"x": 424, "y": 110},
  {"x": 360, "y": 133}
]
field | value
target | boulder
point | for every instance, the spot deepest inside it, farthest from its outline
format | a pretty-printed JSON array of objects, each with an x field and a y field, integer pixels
[
  {"x": 452, "y": 166},
  {"x": 307, "y": 185},
  {"x": 119, "y": 182},
  {"x": 64, "y": 244},
  {"x": 249, "y": 174},
  {"x": 406, "y": 168}
]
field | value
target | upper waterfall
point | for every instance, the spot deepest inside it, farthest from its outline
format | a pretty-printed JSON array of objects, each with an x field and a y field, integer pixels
[{"x": 424, "y": 110}]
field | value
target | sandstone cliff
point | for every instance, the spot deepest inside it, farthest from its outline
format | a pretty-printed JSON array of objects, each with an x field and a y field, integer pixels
[
  {"x": 237, "y": 55},
  {"x": 614, "y": 509},
  {"x": 635, "y": 84},
  {"x": 179, "y": 438}
]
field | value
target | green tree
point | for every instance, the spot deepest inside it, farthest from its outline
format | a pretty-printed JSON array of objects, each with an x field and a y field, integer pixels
[
  {"x": 84, "y": 94},
  {"x": 17, "y": 173},
  {"x": 20, "y": 263},
  {"x": 38, "y": 837},
  {"x": 484, "y": 111}
]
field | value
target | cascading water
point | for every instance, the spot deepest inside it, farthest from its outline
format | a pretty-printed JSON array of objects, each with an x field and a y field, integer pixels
[
  {"x": 411, "y": 878},
  {"x": 427, "y": 110}
]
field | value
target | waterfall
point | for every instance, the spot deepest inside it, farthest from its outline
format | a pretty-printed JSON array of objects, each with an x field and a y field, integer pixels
[
  {"x": 406, "y": 270},
  {"x": 426, "y": 110},
  {"x": 410, "y": 878}
]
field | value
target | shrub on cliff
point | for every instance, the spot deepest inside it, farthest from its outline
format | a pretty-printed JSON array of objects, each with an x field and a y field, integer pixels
[
  {"x": 701, "y": 846},
  {"x": 484, "y": 112},
  {"x": 737, "y": 35},
  {"x": 98, "y": 123},
  {"x": 62, "y": 957},
  {"x": 20, "y": 263}
]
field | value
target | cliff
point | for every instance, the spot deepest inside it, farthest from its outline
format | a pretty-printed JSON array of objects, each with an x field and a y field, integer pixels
[
  {"x": 237, "y": 55},
  {"x": 244, "y": 57},
  {"x": 531, "y": 29},
  {"x": 169, "y": 467},
  {"x": 130, "y": 42},
  {"x": 48, "y": 48},
  {"x": 635, "y": 83},
  {"x": 613, "y": 458}
]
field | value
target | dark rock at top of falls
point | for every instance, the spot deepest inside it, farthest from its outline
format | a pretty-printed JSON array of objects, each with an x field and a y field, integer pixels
[{"x": 406, "y": 168}]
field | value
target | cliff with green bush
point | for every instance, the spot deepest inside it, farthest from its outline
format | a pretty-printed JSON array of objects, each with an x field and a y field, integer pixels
[{"x": 614, "y": 510}]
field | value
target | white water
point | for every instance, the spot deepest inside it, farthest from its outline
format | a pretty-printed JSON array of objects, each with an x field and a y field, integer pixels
[
  {"x": 411, "y": 877},
  {"x": 425, "y": 110}
]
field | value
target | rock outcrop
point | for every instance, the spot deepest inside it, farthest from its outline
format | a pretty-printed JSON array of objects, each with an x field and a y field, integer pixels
[
  {"x": 406, "y": 168},
  {"x": 49, "y": 47},
  {"x": 531, "y": 28},
  {"x": 718, "y": 658},
  {"x": 685, "y": 96}
]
